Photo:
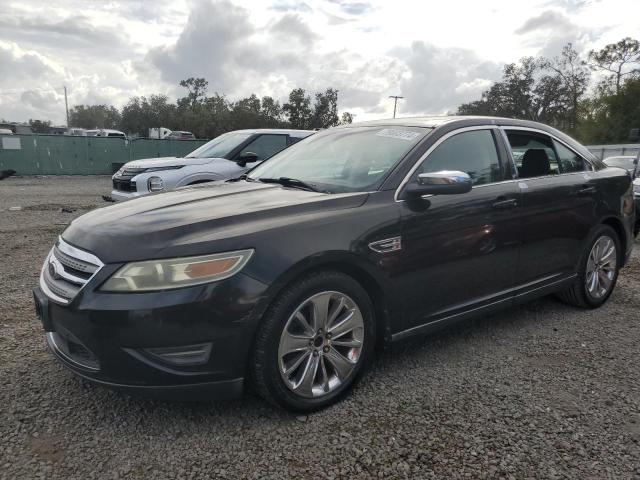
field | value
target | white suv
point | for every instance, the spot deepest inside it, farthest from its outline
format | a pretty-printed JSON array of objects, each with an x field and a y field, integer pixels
[{"x": 224, "y": 157}]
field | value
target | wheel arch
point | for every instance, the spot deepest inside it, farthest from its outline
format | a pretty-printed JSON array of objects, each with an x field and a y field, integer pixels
[
  {"x": 351, "y": 265},
  {"x": 618, "y": 227}
]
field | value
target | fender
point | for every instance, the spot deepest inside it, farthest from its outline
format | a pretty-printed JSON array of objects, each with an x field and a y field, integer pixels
[
  {"x": 198, "y": 177},
  {"x": 372, "y": 279}
]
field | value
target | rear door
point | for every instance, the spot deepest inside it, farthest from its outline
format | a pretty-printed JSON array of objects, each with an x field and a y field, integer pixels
[
  {"x": 459, "y": 252},
  {"x": 558, "y": 206}
]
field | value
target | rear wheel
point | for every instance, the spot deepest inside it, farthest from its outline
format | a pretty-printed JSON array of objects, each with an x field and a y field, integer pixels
[
  {"x": 598, "y": 271},
  {"x": 314, "y": 342}
]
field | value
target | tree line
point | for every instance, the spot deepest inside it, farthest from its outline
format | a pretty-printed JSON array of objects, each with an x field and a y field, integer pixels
[
  {"x": 556, "y": 92},
  {"x": 209, "y": 116}
]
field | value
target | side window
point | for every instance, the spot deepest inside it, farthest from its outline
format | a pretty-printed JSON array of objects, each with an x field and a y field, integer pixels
[
  {"x": 266, "y": 145},
  {"x": 569, "y": 161},
  {"x": 472, "y": 152},
  {"x": 533, "y": 153}
]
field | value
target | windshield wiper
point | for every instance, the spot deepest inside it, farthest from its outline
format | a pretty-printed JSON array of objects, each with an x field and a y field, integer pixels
[
  {"x": 244, "y": 177},
  {"x": 290, "y": 182}
]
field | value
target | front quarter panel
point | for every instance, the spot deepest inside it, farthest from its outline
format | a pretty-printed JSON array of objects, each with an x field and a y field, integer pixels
[{"x": 331, "y": 240}]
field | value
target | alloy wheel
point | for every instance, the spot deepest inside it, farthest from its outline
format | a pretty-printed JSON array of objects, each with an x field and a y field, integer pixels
[
  {"x": 321, "y": 344},
  {"x": 601, "y": 267}
]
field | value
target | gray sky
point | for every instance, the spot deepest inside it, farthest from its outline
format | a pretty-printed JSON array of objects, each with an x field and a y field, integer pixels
[{"x": 436, "y": 54}]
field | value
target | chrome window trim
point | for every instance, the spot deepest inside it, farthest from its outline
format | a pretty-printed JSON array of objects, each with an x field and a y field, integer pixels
[
  {"x": 542, "y": 132},
  {"x": 423, "y": 157},
  {"x": 503, "y": 129}
]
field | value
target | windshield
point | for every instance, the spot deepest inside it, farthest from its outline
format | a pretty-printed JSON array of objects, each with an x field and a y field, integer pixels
[
  {"x": 354, "y": 159},
  {"x": 220, "y": 146}
]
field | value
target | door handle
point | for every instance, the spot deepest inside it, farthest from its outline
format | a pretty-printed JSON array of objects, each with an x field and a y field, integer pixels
[
  {"x": 586, "y": 190},
  {"x": 503, "y": 202}
]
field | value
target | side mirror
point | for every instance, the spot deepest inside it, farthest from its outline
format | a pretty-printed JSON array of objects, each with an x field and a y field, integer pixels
[
  {"x": 247, "y": 157},
  {"x": 445, "y": 182}
]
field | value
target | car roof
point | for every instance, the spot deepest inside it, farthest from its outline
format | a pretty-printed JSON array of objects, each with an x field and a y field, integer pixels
[
  {"x": 452, "y": 122},
  {"x": 281, "y": 131},
  {"x": 437, "y": 121}
]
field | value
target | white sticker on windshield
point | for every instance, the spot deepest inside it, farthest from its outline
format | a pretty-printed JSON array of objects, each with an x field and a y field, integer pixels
[{"x": 401, "y": 134}]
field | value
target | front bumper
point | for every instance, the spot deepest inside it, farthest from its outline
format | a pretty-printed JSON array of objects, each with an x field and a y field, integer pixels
[
  {"x": 120, "y": 196},
  {"x": 108, "y": 338}
]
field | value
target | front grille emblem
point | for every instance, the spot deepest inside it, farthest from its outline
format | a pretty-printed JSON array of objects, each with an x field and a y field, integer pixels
[{"x": 53, "y": 271}]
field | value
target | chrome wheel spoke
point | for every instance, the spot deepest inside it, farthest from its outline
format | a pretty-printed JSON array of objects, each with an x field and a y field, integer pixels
[
  {"x": 341, "y": 364},
  {"x": 608, "y": 255},
  {"x": 305, "y": 385},
  {"x": 349, "y": 343},
  {"x": 346, "y": 323},
  {"x": 290, "y": 343},
  {"x": 325, "y": 375},
  {"x": 335, "y": 311},
  {"x": 304, "y": 323},
  {"x": 294, "y": 366},
  {"x": 321, "y": 310}
]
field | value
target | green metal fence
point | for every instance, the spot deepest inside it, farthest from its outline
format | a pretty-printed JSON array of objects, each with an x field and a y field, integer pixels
[{"x": 66, "y": 155}]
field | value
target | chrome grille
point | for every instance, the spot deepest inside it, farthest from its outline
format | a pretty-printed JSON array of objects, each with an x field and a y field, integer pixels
[{"x": 66, "y": 270}]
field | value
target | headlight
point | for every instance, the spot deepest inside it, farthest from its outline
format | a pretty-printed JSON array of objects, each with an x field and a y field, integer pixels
[
  {"x": 155, "y": 184},
  {"x": 176, "y": 272}
]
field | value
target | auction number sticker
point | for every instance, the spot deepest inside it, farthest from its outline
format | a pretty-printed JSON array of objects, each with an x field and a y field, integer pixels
[{"x": 400, "y": 134}]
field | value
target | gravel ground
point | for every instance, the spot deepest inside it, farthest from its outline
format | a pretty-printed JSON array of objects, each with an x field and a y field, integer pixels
[{"x": 540, "y": 391}]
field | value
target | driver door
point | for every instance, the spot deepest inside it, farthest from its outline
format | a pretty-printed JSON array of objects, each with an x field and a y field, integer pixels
[{"x": 459, "y": 252}]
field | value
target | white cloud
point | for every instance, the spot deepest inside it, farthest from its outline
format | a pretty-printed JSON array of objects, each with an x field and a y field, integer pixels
[{"x": 436, "y": 55}]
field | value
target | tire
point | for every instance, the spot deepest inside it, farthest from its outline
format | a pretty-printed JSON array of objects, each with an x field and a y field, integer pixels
[
  {"x": 329, "y": 362},
  {"x": 579, "y": 294}
]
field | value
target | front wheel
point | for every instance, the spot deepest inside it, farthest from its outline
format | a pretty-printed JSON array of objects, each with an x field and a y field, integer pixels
[
  {"x": 598, "y": 271},
  {"x": 314, "y": 342}
]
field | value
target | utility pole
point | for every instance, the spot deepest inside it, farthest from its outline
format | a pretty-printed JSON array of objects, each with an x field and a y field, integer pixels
[
  {"x": 395, "y": 103},
  {"x": 66, "y": 105}
]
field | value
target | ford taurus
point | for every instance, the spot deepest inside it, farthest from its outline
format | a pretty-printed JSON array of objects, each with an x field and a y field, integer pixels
[{"x": 286, "y": 279}]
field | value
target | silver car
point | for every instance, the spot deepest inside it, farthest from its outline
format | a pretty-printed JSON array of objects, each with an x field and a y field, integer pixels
[
  {"x": 628, "y": 162},
  {"x": 224, "y": 157}
]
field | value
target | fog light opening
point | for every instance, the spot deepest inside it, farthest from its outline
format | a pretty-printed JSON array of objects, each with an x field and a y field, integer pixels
[
  {"x": 183, "y": 356},
  {"x": 155, "y": 184}
]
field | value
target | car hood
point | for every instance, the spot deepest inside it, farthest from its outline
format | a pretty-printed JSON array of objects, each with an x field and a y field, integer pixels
[
  {"x": 167, "y": 162},
  {"x": 206, "y": 218}
]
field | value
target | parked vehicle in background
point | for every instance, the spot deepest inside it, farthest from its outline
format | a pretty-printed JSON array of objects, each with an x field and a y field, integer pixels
[
  {"x": 159, "y": 132},
  {"x": 76, "y": 132},
  {"x": 180, "y": 135},
  {"x": 286, "y": 278},
  {"x": 628, "y": 162},
  {"x": 107, "y": 132},
  {"x": 92, "y": 133},
  {"x": 6, "y": 131},
  {"x": 226, "y": 156}
]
